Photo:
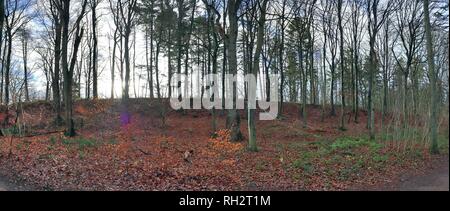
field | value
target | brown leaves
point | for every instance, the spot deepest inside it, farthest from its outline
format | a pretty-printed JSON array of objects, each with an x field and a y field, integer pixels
[{"x": 143, "y": 156}]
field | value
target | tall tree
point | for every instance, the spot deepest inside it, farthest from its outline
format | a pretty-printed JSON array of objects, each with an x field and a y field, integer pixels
[
  {"x": 433, "y": 77},
  {"x": 125, "y": 14},
  {"x": 25, "y": 36},
  {"x": 56, "y": 91},
  {"x": 256, "y": 64},
  {"x": 342, "y": 59},
  {"x": 15, "y": 17},
  {"x": 93, "y": 5},
  {"x": 374, "y": 25},
  {"x": 68, "y": 68},
  {"x": 233, "y": 115}
]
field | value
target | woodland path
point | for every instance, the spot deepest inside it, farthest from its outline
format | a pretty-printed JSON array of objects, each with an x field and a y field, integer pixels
[{"x": 436, "y": 179}]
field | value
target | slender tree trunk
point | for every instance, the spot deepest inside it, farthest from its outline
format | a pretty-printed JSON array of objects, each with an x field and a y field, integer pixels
[
  {"x": 341, "y": 51},
  {"x": 280, "y": 112},
  {"x": 65, "y": 17},
  {"x": 56, "y": 72},
  {"x": 25, "y": 68},
  {"x": 126, "y": 91},
  {"x": 94, "y": 50},
  {"x": 233, "y": 6},
  {"x": 8, "y": 68},
  {"x": 2, "y": 18},
  {"x": 151, "y": 58},
  {"x": 433, "y": 81},
  {"x": 324, "y": 59},
  {"x": 158, "y": 88},
  {"x": 255, "y": 70},
  {"x": 169, "y": 63},
  {"x": 113, "y": 63}
]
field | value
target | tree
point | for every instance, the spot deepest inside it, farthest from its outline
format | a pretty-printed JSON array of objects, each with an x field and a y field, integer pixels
[
  {"x": 252, "y": 88},
  {"x": 68, "y": 68},
  {"x": 125, "y": 16},
  {"x": 357, "y": 22},
  {"x": 408, "y": 28},
  {"x": 15, "y": 17},
  {"x": 326, "y": 9},
  {"x": 374, "y": 24},
  {"x": 233, "y": 115},
  {"x": 342, "y": 58},
  {"x": 2, "y": 18},
  {"x": 56, "y": 19},
  {"x": 433, "y": 77},
  {"x": 24, "y": 33},
  {"x": 93, "y": 5}
]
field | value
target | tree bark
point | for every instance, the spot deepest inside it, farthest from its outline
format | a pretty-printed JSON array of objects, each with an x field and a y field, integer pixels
[
  {"x": 235, "y": 121},
  {"x": 433, "y": 81}
]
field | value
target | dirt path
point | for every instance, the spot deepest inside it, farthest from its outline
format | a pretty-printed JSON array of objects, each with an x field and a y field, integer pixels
[
  {"x": 5, "y": 185},
  {"x": 436, "y": 179}
]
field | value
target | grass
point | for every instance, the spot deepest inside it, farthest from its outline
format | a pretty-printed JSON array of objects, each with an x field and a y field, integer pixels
[
  {"x": 52, "y": 140},
  {"x": 343, "y": 158},
  {"x": 348, "y": 143},
  {"x": 81, "y": 143},
  {"x": 443, "y": 142}
]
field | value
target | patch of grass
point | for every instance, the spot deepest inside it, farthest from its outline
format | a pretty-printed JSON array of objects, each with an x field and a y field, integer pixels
[
  {"x": 348, "y": 143},
  {"x": 52, "y": 140},
  {"x": 81, "y": 154},
  {"x": 443, "y": 143},
  {"x": 305, "y": 162},
  {"x": 81, "y": 143},
  {"x": 380, "y": 158}
]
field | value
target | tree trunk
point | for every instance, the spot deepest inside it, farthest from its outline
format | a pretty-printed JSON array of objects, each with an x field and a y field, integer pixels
[
  {"x": 94, "y": 50},
  {"x": 126, "y": 90},
  {"x": 65, "y": 17},
  {"x": 255, "y": 70},
  {"x": 233, "y": 6},
  {"x": 56, "y": 72},
  {"x": 341, "y": 51},
  {"x": 25, "y": 68},
  {"x": 433, "y": 79}
]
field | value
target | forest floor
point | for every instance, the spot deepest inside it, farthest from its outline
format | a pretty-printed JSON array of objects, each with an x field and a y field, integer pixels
[{"x": 145, "y": 155}]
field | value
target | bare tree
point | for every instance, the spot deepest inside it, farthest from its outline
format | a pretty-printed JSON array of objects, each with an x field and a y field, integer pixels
[
  {"x": 256, "y": 64},
  {"x": 68, "y": 68},
  {"x": 375, "y": 22},
  {"x": 233, "y": 116},
  {"x": 433, "y": 77}
]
